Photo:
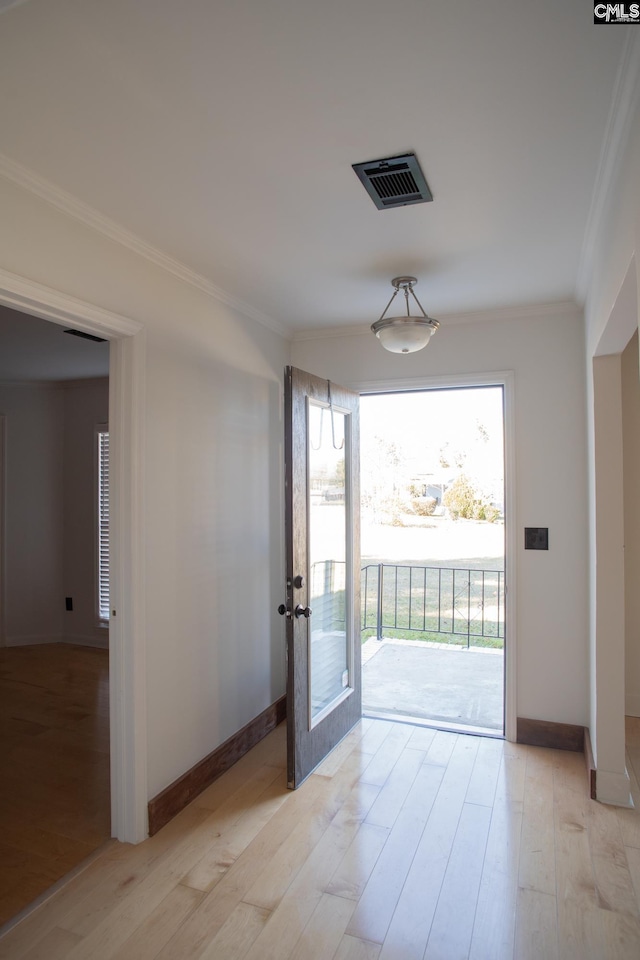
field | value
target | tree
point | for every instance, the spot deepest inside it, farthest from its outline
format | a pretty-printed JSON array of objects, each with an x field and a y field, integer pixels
[{"x": 463, "y": 499}]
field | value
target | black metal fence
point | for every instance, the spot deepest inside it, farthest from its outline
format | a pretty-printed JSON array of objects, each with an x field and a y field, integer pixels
[{"x": 464, "y": 604}]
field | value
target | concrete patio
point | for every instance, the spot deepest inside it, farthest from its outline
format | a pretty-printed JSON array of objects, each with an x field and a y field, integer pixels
[{"x": 448, "y": 685}]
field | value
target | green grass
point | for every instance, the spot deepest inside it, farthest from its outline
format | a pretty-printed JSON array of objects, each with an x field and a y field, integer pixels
[{"x": 446, "y": 639}]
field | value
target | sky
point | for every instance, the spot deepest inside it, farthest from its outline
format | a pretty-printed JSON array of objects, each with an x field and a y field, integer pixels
[{"x": 425, "y": 423}]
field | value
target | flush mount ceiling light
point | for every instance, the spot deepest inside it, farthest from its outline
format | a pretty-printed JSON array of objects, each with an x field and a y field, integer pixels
[{"x": 404, "y": 334}]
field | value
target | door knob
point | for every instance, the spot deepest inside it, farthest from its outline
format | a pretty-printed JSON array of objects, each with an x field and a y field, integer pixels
[{"x": 301, "y": 611}]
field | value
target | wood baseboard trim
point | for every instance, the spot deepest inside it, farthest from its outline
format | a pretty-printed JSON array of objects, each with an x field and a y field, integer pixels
[
  {"x": 182, "y": 791},
  {"x": 589, "y": 763},
  {"x": 545, "y": 733}
]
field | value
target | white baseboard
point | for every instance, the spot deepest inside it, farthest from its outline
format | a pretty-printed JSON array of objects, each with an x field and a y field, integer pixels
[
  {"x": 102, "y": 643},
  {"x": 30, "y": 641},
  {"x": 613, "y": 788},
  {"x": 632, "y": 705}
]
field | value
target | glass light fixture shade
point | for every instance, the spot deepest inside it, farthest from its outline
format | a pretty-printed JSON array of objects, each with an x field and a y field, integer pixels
[{"x": 404, "y": 334}]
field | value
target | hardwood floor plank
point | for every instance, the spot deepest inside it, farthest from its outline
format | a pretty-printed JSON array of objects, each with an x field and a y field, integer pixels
[
  {"x": 44, "y": 844},
  {"x": 633, "y": 862},
  {"x": 125, "y": 867},
  {"x": 225, "y": 786},
  {"x": 537, "y": 845},
  {"x": 237, "y": 934},
  {"x": 54, "y": 740},
  {"x": 580, "y": 931},
  {"x": 495, "y": 917},
  {"x": 619, "y": 935},
  {"x": 391, "y": 797},
  {"x": 55, "y": 946},
  {"x": 22, "y": 937},
  {"x": 484, "y": 778},
  {"x": 148, "y": 889},
  {"x": 512, "y": 775},
  {"x": 614, "y": 884},
  {"x": 408, "y": 925},
  {"x": 306, "y": 891},
  {"x": 441, "y": 747},
  {"x": 386, "y": 757},
  {"x": 377, "y": 907},
  {"x": 352, "y": 803},
  {"x": 351, "y": 948},
  {"x": 234, "y": 838},
  {"x": 322, "y": 935},
  {"x": 149, "y": 938},
  {"x": 353, "y": 871},
  {"x": 536, "y": 926},
  {"x": 375, "y": 734},
  {"x": 130, "y": 866},
  {"x": 302, "y": 808},
  {"x": 452, "y": 926},
  {"x": 421, "y": 738}
]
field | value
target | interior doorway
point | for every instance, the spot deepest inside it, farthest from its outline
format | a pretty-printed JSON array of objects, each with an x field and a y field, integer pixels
[
  {"x": 54, "y": 735},
  {"x": 433, "y": 557}
]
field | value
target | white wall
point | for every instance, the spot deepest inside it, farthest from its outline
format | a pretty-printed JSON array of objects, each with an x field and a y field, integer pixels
[
  {"x": 33, "y": 513},
  {"x": 631, "y": 480},
  {"x": 86, "y": 404},
  {"x": 214, "y": 557},
  {"x": 545, "y": 353},
  {"x": 214, "y": 539},
  {"x": 50, "y": 510}
]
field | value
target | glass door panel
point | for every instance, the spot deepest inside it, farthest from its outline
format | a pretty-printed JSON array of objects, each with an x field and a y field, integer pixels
[{"x": 330, "y": 636}]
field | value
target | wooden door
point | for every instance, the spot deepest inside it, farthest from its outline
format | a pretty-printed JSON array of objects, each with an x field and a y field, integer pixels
[{"x": 323, "y": 569}]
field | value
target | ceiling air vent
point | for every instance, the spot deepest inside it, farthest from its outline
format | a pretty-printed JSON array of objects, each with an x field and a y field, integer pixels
[{"x": 394, "y": 182}]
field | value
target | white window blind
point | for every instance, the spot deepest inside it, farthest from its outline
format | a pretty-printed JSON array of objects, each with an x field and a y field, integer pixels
[{"x": 103, "y": 525}]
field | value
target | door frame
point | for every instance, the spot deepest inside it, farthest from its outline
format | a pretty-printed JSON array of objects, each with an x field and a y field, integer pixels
[
  {"x": 127, "y": 638},
  {"x": 506, "y": 380}
]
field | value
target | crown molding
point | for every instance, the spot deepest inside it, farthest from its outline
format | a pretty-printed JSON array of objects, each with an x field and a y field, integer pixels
[
  {"x": 624, "y": 101},
  {"x": 69, "y": 205},
  {"x": 528, "y": 312},
  {"x": 27, "y": 296}
]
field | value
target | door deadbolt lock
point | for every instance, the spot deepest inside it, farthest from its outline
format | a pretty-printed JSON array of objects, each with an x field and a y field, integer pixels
[
  {"x": 298, "y": 582},
  {"x": 284, "y": 611},
  {"x": 301, "y": 611}
]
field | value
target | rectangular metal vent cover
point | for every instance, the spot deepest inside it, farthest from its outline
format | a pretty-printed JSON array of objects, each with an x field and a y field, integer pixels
[{"x": 394, "y": 182}]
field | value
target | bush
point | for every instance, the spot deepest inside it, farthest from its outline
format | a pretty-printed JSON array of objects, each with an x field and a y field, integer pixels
[
  {"x": 423, "y": 506},
  {"x": 464, "y": 500},
  {"x": 460, "y": 498}
]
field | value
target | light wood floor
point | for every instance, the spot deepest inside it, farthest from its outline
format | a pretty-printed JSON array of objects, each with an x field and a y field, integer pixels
[
  {"x": 405, "y": 843},
  {"x": 54, "y": 761}
]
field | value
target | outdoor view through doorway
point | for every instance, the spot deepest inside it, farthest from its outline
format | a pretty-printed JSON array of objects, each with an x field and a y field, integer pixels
[{"x": 433, "y": 557}]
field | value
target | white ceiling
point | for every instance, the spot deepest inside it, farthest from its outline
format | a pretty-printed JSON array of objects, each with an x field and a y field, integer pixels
[{"x": 222, "y": 132}]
